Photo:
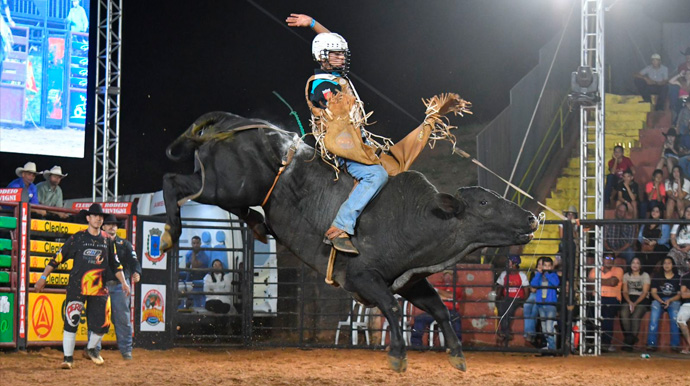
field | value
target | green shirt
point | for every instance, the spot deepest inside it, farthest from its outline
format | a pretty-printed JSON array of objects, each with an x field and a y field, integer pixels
[{"x": 48, "y": 196}]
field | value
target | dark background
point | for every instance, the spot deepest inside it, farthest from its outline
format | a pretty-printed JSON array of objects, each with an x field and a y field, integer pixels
[{"x": 181, "y": 59}]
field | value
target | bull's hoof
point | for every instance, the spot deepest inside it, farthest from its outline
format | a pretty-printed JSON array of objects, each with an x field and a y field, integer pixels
[
  {"x": 458, "y": 362},
  {"x": 166, "y": 241},
  {"x": 399, "y": 365}
]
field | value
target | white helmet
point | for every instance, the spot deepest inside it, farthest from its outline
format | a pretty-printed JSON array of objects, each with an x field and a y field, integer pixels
[{"x": 324, "y": 43}]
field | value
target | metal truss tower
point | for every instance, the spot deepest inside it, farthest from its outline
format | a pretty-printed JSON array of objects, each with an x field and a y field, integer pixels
[
  {"x": 106, "y": 138},
  {"x": 591, "y": 179}
]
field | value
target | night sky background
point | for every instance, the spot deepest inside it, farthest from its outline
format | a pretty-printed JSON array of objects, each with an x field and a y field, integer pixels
[{"x": 181, "y": 59}]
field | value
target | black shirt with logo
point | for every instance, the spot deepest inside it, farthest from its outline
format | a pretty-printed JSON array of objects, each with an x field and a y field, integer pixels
[
  {"x": 666, "y": 288},
  {"x": 92, "y": 256}
]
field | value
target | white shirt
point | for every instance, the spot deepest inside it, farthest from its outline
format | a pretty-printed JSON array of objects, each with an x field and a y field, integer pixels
[
  {"x": 656, "y": 74},
  {"x": 682, "y": 237},
  {"x": 218, "y": 286},
  {"x": 685, "y": 188}
]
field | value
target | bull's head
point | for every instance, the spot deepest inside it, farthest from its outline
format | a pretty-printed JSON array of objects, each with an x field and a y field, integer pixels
[{"x": 488, "y": 217}]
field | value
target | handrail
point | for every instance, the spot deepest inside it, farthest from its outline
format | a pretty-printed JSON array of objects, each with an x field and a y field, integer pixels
[{"x": 519, "y": 196}]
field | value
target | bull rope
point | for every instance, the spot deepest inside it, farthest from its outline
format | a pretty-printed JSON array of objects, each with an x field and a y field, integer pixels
[{"x": 292, "y": 112}]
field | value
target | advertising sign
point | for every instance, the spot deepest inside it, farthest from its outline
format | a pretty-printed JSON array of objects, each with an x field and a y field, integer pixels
[
  {"x": 11, "y": 194},
  {"x": 152, "y": 307},
  {"x": 108, "y": 207},
  {"x": 6, "y": 317},
  {"x": 45, "y": 319},
  {"x": 153, "y": 257}
]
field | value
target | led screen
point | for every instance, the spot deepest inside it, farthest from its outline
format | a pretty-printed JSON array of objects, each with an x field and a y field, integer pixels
[{"x": 44, "y": 51}]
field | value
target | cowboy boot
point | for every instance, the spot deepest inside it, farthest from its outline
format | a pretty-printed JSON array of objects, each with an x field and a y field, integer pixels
[{"x": 341, "y": 240}]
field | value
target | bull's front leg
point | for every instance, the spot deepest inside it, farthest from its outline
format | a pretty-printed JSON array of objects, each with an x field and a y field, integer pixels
[
  {"x": 176, "y": 187},
  {"x": 370, "y": 287},
  {"x": 424, "y": 296}
]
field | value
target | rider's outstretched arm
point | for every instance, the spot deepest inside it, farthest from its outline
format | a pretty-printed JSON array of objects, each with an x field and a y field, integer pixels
[{"x": 300, "y": 20}]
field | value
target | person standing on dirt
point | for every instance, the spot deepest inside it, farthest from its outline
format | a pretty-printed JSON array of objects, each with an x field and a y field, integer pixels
[{"x": 93, "y": 253}]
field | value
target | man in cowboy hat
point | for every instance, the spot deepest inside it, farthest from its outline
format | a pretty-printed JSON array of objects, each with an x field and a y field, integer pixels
[
  {"x": 49, "y": 191},
  {"x": 93, "y": 254},
  {"x": 119, "y": 302},
  {"x": 27, "y": 175},
  {"x": 653, "y": 79}
]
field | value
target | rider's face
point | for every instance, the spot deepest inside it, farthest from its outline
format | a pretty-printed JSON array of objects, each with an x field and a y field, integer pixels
[{"x": 336, "y": 59}]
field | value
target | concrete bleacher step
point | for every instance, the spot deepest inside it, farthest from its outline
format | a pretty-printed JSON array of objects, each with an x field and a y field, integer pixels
[
  {"x": 5, "y": 261},
  {"x": 652, "y": 137},
  {"x": 660, "y": 119},
  {"x": 615, "y": 99}
]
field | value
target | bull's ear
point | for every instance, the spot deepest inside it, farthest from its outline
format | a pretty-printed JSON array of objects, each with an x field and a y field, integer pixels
[{"x": 449, "y": 205}]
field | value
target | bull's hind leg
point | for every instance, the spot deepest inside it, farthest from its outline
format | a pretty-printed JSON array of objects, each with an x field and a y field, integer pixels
[
  {"x": 175, "y": 188},
  {"x": 371, "y": 288},
  {"x": 425, "y": 297}
]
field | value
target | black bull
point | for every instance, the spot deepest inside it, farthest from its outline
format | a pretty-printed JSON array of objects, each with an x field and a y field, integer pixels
[{"x": 408, "y": 232}]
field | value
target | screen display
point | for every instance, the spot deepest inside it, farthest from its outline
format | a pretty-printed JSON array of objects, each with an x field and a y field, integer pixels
[{"x": 44, "y": 62}]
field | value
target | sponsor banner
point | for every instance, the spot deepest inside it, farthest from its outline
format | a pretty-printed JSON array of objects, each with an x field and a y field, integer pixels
[
  {"x": 152, "y": 257},
  {"x": 108, "y": 207},
  {"x": 64, "y": 227},
  {"x": 152, "y": 307},
  {"x": 53, "y": 279},
  {"x": 10, "y": 194},
  {"x": 23, "y": 230},
  {"x": 44, "y": 246},
  {"x": 6, "y": 317},
  {"x": 46, "y": 321},
  {"x": 41, "y": 262}
]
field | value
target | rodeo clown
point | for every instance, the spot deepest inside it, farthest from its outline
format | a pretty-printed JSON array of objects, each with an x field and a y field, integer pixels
[
  {"x": 331, "y": 51},
  {"x": 93, "y": 253}
]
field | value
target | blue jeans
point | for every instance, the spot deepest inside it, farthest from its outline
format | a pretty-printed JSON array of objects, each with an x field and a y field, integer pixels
[
  {"x": 530, "y": 313},
  {"x": 423, "y": 321},
  {"x": 547, "y": 313},
  {"x": 371, "y": 179},
  {"x": 119, "y": 316},
  {"x": 609, "y": 310},
  {"x": 684, "y": 163},
  {"x": 657, "y": 310}
]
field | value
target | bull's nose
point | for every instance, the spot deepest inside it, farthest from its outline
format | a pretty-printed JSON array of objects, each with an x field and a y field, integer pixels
[{"x": 533, "y": 222}]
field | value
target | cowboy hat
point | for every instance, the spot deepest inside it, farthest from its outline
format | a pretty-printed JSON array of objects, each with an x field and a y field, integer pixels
[
  {"x": 571, "y": 209},
  {"x": 111, "y": 219},
  {"x": 94, "y": 209},
  {"x": 28, "y": 167},
  {"x": 687, "y": 51},
  {"x": 656, "y": 56},
  {"x": 55, "y": 170},
  {"x": 670, "y": 132}
]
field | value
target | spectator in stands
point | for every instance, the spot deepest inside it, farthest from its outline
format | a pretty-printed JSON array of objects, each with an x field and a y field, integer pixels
[
  {"x": 546, "y": 281},
  {"x": 683, "y": 124},
  {"x": 653, "y": 79},
  {"x": 450, "y": 293},
  {"x": 628, "y": 193},
  {"x": 680, "y": 240},
  {"x": 670, "y": 152},
  {"x": 194, "y": 259},
  {"x": 218, "y": 282},
  {"x": 619, "y": 238},
  {"x": 684, "y": 313},
  {"x": 197, "y": 259},
  {"x": 611, "y": 283},
  {"x": 677, "y": 189},
  {"x": 570, "y": 215},
  {"x": 617, "y": 165},
  {"x": 654, "y": 240},
  {"x": 529, "y": 309},
  {"x": 512, "y": 285},
  {"x": 679, "y": 88},
  {"x": 50, "y": 192},
  {"x": 27, "y": 175},
  {"x": 674, "y": 88},
  {"x": 665, "y": 297},
  {"x": 636, "y": 285},
  {"x": 655, "y": 191},
  {"x": 76, "y": 18}
]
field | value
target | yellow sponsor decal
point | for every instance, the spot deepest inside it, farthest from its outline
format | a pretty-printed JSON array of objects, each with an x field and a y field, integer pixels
[
  {"x": 45, "y": 319},
  {"x": 42, "y": 261},
  {"x": 56, "y": 227},
  {"x": 92, "y": 283},
  {"x": 53, "y": 279},
  {"x": 45, "y": 247}
]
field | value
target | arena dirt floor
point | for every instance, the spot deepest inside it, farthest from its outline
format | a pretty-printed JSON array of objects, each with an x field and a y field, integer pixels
[{"x": 336, "y": 367}]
